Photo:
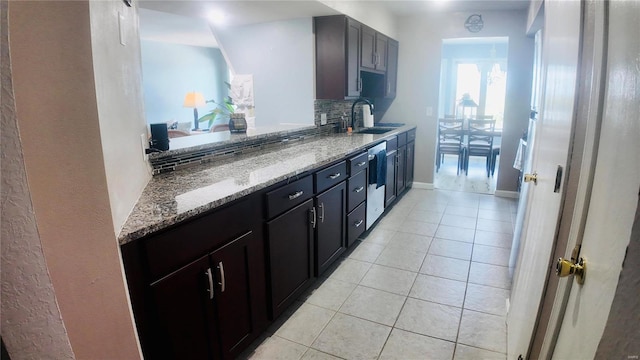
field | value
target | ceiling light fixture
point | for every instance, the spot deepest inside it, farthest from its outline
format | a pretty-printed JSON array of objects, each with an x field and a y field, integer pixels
[{"x": 216, "y": 17}]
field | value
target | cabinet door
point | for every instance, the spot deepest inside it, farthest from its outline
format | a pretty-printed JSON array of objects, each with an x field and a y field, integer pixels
[
  {"x": 392, "y": 69},
  {"x": 291, "y": 255},
  {"x": 353, "y": 57},
  {"x": 401, "y": 170},
  {"x": 331, "y": 235},
  {"x": 390, "y": 189},
  {"x": 184, "y": 325},
  {"x": 367, "y": 59},
  {"x": 381, "y": 52},
  {"x": 240, "y": 292},
  {"x": 410, "y": 162}
]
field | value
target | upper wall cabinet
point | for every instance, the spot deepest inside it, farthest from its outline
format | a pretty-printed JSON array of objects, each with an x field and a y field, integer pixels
[
  {"x": 392, "y": 69},
  {"x": 337, "y": 57},
  {"x": 374, "y": 50},
  {"x": 344, "y": 48}
]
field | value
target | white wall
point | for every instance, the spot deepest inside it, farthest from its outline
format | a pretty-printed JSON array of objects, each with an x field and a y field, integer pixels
[
  {"x": 79, "y": 123},
  {"x": 118, "y": 90},
  {"x": 419, "y": 82},
  {"x": 280, "y": 55},
  {"x": 370, "y": 13}
]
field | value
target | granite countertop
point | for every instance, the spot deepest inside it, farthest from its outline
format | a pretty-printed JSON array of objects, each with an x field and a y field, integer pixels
[{"x": 173, "y": 197}]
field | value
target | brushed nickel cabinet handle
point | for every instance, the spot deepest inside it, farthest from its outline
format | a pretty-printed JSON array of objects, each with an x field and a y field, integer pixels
[
  {"x": 361, "y": 163},
  {"x": 313, "y": 217},
  {"x": 321, "y": 216},
  {"x": 359, "y": 223},
  {"x": 359, "y": 189},
  {"x": 334, "y": 176},
  {"x": 223, "y": 281},
  {"x": 296, "y": 195},
  {"x": 210, "y": 278}
]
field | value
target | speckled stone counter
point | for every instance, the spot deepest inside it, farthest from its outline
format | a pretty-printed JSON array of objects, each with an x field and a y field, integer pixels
[{"x": 173, "y": 197}]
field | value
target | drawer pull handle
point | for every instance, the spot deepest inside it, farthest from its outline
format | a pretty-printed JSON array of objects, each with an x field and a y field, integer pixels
[
  {"x": 222, "y": 279},
  {"x": 321, "y": 206},
  {"x": 359, "y": 189},
  {"x": 361, "y": 163},
  {"x": 359, "y": 223},
  {"x": 334, "y": 176},
  {"x": 313, "y": 217},
  {"x": 210, "y": 278},
  {"x": 296, "y": 195}
]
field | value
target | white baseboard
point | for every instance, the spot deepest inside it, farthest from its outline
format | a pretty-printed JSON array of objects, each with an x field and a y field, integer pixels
[
  {"x": 421, "y": 185},
  {"x": 507, "y": 194}
]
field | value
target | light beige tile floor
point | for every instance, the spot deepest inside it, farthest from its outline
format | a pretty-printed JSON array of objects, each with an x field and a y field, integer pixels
[{"x": 429, "y": 282}]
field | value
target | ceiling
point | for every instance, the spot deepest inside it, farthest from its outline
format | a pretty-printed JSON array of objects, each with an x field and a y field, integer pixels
[
  {"x": 243, "y": 12},
  {"x": 158, "y": 20}
]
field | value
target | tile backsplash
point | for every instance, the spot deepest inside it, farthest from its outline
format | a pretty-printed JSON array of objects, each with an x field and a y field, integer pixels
[{"x": 335, "y": 110}]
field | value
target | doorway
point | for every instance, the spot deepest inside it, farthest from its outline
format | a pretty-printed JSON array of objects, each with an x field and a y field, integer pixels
[{"x": 473, "y": 80}]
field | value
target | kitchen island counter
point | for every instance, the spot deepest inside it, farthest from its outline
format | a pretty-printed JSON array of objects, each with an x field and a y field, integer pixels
[{"x": 177, "y": 196}]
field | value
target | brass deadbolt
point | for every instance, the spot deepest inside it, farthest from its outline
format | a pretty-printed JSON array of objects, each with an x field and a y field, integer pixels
[{"x": 565, "y": 267}]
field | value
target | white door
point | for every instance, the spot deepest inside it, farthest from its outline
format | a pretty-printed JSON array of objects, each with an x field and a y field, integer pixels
[
  {"x": 614, "y": 195},
  {"x": 560, "y": 53}
]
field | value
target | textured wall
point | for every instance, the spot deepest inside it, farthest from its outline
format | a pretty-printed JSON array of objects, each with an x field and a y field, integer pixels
[
  {"x": 32, "y": 327},
  {"x": 57, "y": 113}
]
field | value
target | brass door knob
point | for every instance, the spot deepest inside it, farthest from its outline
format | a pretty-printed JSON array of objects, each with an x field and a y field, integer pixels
[
  {"x": 531, "y": 178},
  {"x": 565, "y": 267}
]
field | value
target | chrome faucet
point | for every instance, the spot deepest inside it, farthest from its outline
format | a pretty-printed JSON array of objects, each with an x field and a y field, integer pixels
[{"x": 353, "y": 112}]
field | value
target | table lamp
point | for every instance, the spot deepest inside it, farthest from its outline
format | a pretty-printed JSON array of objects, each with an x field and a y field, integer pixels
[{"x": 193, "y": 100}]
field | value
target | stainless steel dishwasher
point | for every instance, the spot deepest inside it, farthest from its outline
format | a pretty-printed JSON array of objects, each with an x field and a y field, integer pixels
[{"x": 375, "y": 197}]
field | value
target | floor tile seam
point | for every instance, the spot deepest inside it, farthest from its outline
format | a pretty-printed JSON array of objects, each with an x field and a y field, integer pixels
[
  {"x": 442, "y": 277},
  {"x": 487, "y": 285},
  {"x": 495, "y": 246},
  {"x": 464, "y": 299},
  {"x": 402, "y": 307},
  {"x": 477, "y": 347},
  {"x": 321, "y": 351},
  {"x": 486, "y": 263},
  {"x": 394, "y": 268},
  {"x": 421, "y": 334},
  {"x": 319, "y": 333},
  {"x": 504, "y": 266},
  {"x": 450, "y": 257},
  {"x": 460, "y": 241},
  {"x": 383, "y": 290},
  {"x": 435, "y": 302},
  {"x": 484, "y": 312}
]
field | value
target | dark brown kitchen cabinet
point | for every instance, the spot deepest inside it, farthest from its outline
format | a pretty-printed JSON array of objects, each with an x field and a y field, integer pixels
[
  {"x": 291, "y": 254},
  {"x": 337, "y": 57},
  {"x": 374, "y": 50},
  {"x": 331, "y": 230},
  {"x": 391, "y": 185},
  {"x": 205, "y": 308},
  {"x": 391, "y": 77},
  {"x": 411, "y": 148},
  {"x": 198, "y": 289}
]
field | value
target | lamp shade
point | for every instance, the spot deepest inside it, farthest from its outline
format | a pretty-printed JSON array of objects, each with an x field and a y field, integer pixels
[{"x": 193, "y": 100}]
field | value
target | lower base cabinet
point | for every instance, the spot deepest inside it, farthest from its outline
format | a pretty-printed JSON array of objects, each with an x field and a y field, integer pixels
[
  {"x": 204, "y": 310},
  {"x": 291, "y": 254},
  {"x": 331, "y": 231}
]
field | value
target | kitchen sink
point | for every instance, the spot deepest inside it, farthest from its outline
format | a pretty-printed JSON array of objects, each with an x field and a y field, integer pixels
[{"x": 374, "y": 130}]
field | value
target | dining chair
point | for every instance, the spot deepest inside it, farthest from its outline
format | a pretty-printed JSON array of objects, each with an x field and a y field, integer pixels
[
  {"x": 450, "y": 141},
  {"x": 480, "y": 142}
]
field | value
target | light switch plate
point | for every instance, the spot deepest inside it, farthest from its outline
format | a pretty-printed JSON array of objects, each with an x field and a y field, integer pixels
[{"x": 323, "y": 119}]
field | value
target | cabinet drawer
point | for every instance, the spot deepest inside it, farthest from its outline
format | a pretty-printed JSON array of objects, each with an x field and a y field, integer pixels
[
  {"x": 330, "y": 176},
  {"x": 392, "y": 144},
  {"x": 358, "y": 163},
  {"x": 288, "y": 196},
  {"x": 356, "y": 223},
  {"x": 402, "y": 139},
  {"x": 411, "y": 135},
  {"x": 169, "y": 250},
  {"x": 357, "y": 190}
]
